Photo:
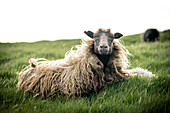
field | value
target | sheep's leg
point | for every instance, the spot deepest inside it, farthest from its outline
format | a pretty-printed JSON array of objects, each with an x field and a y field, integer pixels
[{"x": 125, "y": 73}]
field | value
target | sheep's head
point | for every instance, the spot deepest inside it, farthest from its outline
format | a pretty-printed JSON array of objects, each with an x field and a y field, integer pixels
[{"x": 103, "y": 40}]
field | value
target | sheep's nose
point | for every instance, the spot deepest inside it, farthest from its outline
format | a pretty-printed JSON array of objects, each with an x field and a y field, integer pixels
[{"x": 103, "y": 46}]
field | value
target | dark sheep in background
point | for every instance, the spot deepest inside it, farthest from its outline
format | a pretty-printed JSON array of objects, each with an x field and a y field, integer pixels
[{"x": 151, "y": 35}]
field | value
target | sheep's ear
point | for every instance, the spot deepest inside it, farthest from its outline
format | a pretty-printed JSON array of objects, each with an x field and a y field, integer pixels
[
  {"x": 117, "y": 35},
  {"x": 89, "y": 33}
]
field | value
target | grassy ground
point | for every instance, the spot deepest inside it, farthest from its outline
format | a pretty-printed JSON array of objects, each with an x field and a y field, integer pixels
[{"x": 137, "y": 95}]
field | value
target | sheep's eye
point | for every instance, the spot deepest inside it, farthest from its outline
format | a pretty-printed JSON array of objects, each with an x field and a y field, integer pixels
[
  {"x": 97, "y": 40},
  {"x": 110, "y": 40}
]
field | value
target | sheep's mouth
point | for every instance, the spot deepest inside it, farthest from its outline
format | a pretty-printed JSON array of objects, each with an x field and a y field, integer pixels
[{"x": 103, "y": 51}]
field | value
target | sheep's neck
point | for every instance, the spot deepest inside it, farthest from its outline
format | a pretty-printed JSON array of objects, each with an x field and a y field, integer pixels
[{"x": 104, "y": 59}]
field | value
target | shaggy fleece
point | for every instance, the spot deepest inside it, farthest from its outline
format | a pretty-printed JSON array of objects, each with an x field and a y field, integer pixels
[{"x": 80, "y": 72}]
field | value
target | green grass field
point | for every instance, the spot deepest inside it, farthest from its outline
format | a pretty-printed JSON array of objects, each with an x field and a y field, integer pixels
[{"x": 137, "y": 95}]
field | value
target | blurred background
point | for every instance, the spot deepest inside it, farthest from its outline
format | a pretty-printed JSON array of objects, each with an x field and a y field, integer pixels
[{"x": 35, "y": 20}]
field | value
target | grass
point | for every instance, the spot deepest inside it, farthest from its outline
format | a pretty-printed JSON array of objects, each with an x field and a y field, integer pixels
[{"x": 137, "y": 95}]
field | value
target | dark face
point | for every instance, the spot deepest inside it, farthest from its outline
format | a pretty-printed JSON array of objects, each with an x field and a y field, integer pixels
[{"x": 103, "y": 41}]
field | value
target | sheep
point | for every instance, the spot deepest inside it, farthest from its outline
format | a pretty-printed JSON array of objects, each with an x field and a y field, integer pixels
[
  {"x": 95, "y": 63},
  {"x": 151, "y": 35}
]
